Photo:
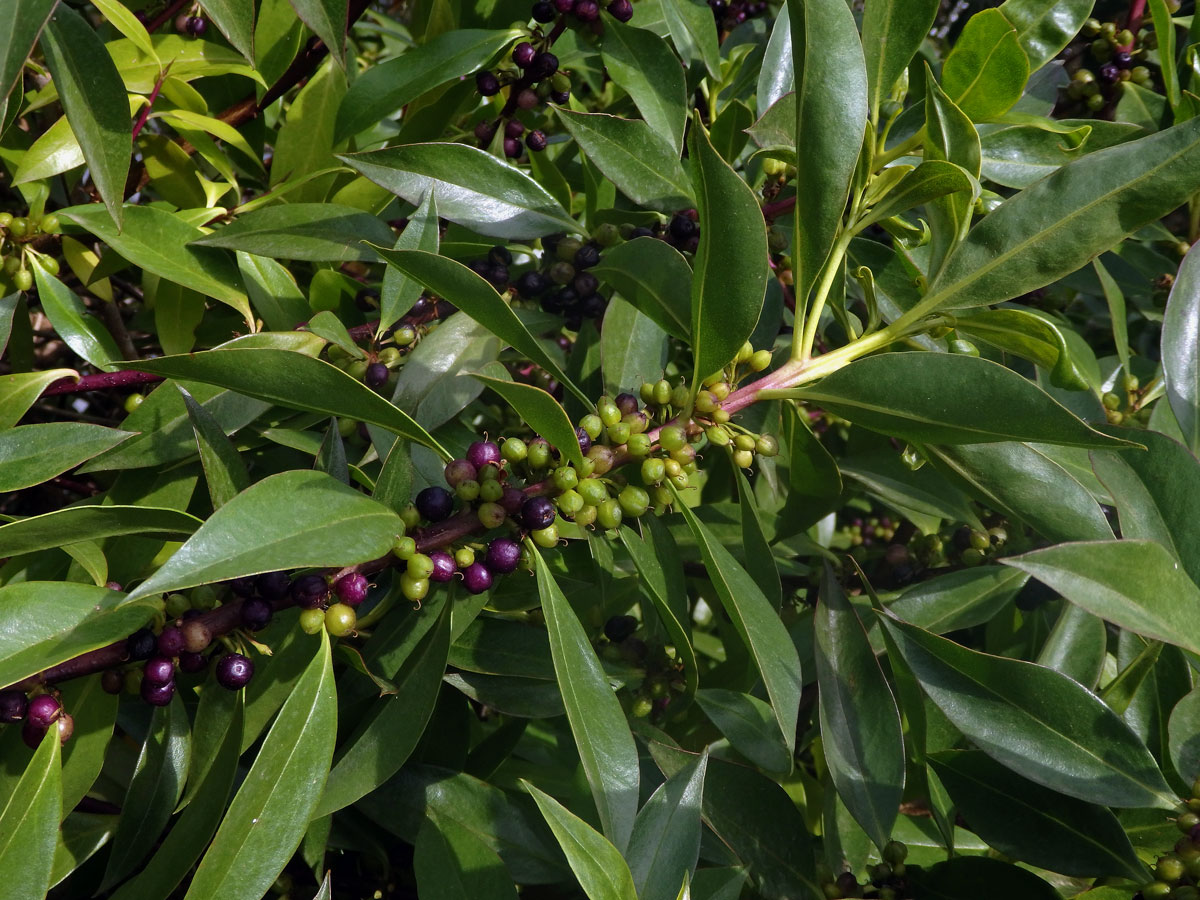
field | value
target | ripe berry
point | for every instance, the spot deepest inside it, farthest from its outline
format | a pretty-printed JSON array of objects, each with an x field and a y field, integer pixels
[
  {"x": 13, "y": 705},
  {"x": 484, "y": 453},
  {"x": 618, "y": 628},
  {"x": 43, "y": 709},
  {"x": 537, "y": 512},
  {"x": 310, "y": 591},
  {"x": 536, "y": 141},
  {"x": 513, "y": 128},
  {"x": 340, "y": 619},
  {"x": 158, "y": 670},
  {"x": 477, "y": 578},
  {"x": 256, "y": 614},
  {"x": 587, "y": 256},
  {"x": 512, "y": 148},
  {"x": 112, "y": 682},
  {"x": 544, "y": 65},
  {"x": 487, "y": 83},
  {"x": 564, "y": 6},
  {"x": 585, "y": 440},
  {"x": 511, "y": 500},
  {"x": 272, "y": 585},
  {"x": 197, "y": 26},
  {"x": 376, "y": 375},
  {"x": 530, "y": 284},
  {"x": 435, "y": 503},
  {"x": 170, "y": 641},
  {"x": 527, "y": 99},
  {"x": 157, "y": 694},
  {"x": 351, "y": 588},
  {"x": 459, "y": 470},
  {"x": 192, "y": 662},
  {"x": 484, "y": 132},
  {"x": 234, "y": 671},
  {"x": 543, "y": 11},
  {"x": 443, "y": 566},
  {"x": 503, "y": 556},
  {"x": 621, "y": 10},
  {"x": 587, "y": 10},
  {"x": 523, "y": 54},
  {"x": 140, "y": 644}
]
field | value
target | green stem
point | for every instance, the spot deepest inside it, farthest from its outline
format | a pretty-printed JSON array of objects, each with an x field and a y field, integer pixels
[
  {"x": 904, "y": 148},
  {"x": 802, "y": 342}
]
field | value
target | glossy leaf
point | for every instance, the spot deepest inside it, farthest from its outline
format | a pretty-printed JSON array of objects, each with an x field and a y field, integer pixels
[
  {"x": 91, "y": 523},
  {"x": 1181, "y": 348},
  {"x": 831, "y": 109},
  {"x": 641, "y": 63},
  {"x": 316, "y": 232},
  {"x": 654, "y": 277},
  {"x": 892, "y": 31},
  {"x": 235, "y": 21},
  {"x": 985, "y": 72},
  {"x": 450, "y": 862},
  {"x": 760, "y": 561},
  {"x": 633, "y": 349},
  {"x": 224, "y": 470},
  {"x": 95, "y": 713},
  {"x": 293, "y": 380},
  {"x": 268, "y": 815},
  {"x": 1076, "y": 646},
  {"x": 958, "y": 600},
  {"x": 1014, "y": 712},
  {"x": 981, "y": 878},
  {"x": 949, "y": 135},
  {"x": 1044, "y": 29},
  {"x": 749, "y": 725},
  {"x": 26, "y": 22},
  {"x": 693, "y": 33},
  {"x": 541, "y": 412},
  {"x": 29, "y": 823},
  {"x": 292, "y": 520},
  {"x": 83, "y": 333},
  {"x": 666, "y": 835},
  {"x": 730, "y": 279},
  {"x": 928, "y": 181},
  {"x": 273, "y": 292},
  {"x": 606, "y": 749},
  {"x": 474, "y": 189},
  {"x": 94, "y": 100},
  {"x": 399, "y": 292},
  {"x": 1184, "y": 735},
  {"x": 435, "y": 381},
  {"x": 32, "y": 454},
  {"x": 776, "y": 77},
  {"x": 327, "y": 19},
  {"x": 1029, "y": 336}
]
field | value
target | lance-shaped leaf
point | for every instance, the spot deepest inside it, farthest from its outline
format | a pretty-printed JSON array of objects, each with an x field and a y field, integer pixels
[
  {"x": 296, "y": 519},
  {"x": 1043, "y": 29},
  {"x": 1034, "y": 720},
  {"x": 223, "y": 467},
  {"x": 1181, "y": 348},
  {"x": 26, "y": 19},
  {"x": 83, "y": 333},
  {"x": 666, "y": 835},
  {"x": 327, "y": 19},
  {"x": 986, "y": 70},
  {"x": 1028, "y": 335},
  {"x": 539, "y": 410},
  {"x": 641, "y": 63},
  {"x": 29, "y": 823},
  {"x": 892, "y": 31},
  {"x": 654, "y": 277},
  {"x": 398, "y": 292},
  {"x": 20, "y": 390},
  {"x": 450, "y": 862},
  {"x": 32, "y": 454},
  {"x": 91, "y": 522},
  {"x": 932, "y": 179},
  {"x": 317, "y": 232}
]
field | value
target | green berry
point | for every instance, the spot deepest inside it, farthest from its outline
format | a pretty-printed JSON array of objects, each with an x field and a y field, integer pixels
[
  {"x": 746, "y": 351},
  {"x": 706, "y": 402},
  {"x": 1169, "y": 869},
  {"x": 585, "y": 516},
  {"x": 313, "y": 620},
  {"x": 608, "y": 514},
  {"x": 641, "y": 707},
  {"x": 570, "y": 502},
  {"x": 405, "y": 548},
  {"x": 467, "y": 490},
  {"x": 717, "y": 436},
  {"x": 653, "y": 471},
  {"x": 1187, "y": 821},
  {"x": 634, "y": 501},
  {"x": 679, "y": 396},
  {"x": 404, "y": 335},
  {"x": 409, "y": 516},
  {"x": 618, "y": 433},
  {"x": 662, "y": 392},
  {"x": 720, "y": 416},
  {"x": 565, "y": 478},
  {"x": 23, "y": 280},
  {"x": 720, "y": 390},
  {"x": 767, "y": 446},
  {"x": 744, "y": 442},
  {"x": 514, "y": 450},
  {"x": 593, "y": 425},
  {"x": 491, "y": 491},
  {"x": 646, "y": 392},
  {"x": 545, "y": 537},
  {"x": 672, "y": 438},
  {"x": 539, "y": 455},
  {"x": 760, "y": 360},
  {"x": 133, "y": 401},
  {"x": 18, "y": 227},
  {"x": 610, "y": 413},
  {"x": 340, "y": 619},
  {"x": 567, "y": 248},
  {"x": 593, "y": 491},
  {"x": 420, "y": 566},
  {"x": 413, "y": 588},
  {"x": 895, "y": 852},
  {"x": 1156, "y": 890},
  {"x": 743, "y": 459},
  {"x": 491, "y": 515},
  {"x": 463, "y": 557}
]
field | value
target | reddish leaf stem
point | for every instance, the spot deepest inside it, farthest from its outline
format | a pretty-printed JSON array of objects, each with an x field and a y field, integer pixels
[
  {"x": 772, "y": 211},
  {"x": 101, "y": 381}
]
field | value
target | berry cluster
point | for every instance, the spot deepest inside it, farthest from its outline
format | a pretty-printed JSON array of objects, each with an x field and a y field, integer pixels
[
  {"x": 16, "y": 235},
  {"x": 1115, "y": 55},
  {"x": 1177, "y": 874},
  {"x": 1128, "y": 406},
  {"x": 37, "y": 713},
  {"x": 649, "y": 696},
  {"x": 333, "y": 607},
  {"x": 376, "y": 366},
  {"x": 186, "y": 23},
  {"x": 887, "y": 879},
  {"x": 732, "y": 13}
]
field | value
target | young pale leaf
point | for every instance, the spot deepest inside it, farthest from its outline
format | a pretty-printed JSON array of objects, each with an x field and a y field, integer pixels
[
  {"x": 1026, "y": 821},
  {"x": 92, "y": 523},
  {"x": 1043, "y": 29},
  {"x": 224, "y": 470},
  {"x": 399, "y": 292},
  {"x": 29, "y": 823},
  {"x": 474, "y": 189},
  {"x": 666, "y": 835},
  {"x": 293, "y": 380},
  {"x": 654, "y": 277},
  {"x": 757, "y": 623},
  {"x": 292, "y": 520},
  {"x": 730, "y": 280},
  {"x": 892, "y": 31},
  {"x": 1015, "y": 712},
  {"x": 1181, "y": 348},
  {"x": 327, "y": 19},
  {"x": 316, "y": 232},
  {"x": 606, "y": 748},
  {"x": 598, "y": 865},
  {"x": 831, "y": 110},
  {"x": 1137, "y": 585},
  {"x": 94, "y": 99},
  {"x": 540, "y": 411},
  {"x": 860, "y": 724},
  {"x": 641, "y": 63},
  {"x": 986, "y": 71},
  {"x": 451, "y": 863},
  {"x": 749, "y": 726},
  {"x": 479, "y": 300},
  {"x": 32, "y": 454},
  {"x": 268, "y": 816},
  {"x": 83, "y": 333}
]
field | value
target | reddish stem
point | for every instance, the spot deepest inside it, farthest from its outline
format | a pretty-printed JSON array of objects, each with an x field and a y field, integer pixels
[
  {"x": 145, "y": 113},
  {"x": 1137, "y": 10},
  {"x": 166, "y": 15},
  {"x": 772, "y": 211},
  {"x": 100, "y": 382}
]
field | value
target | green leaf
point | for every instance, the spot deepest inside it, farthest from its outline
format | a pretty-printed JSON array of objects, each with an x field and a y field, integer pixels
[
  {"x": 1026, "y": 821},
  {"x": 539, "y": 411},
  {"x": 234, "y": 20},
  {"x": 389, "y": 732},
  {"x": 1030, "y": 336},
  {"x": 399, "y": 292},
  {"x": 641, "y": 63},
  {"x": 1181, "y": 348},
  {"x": 633, "y": 349},
  {"x": 33, "y": 454},
  {"x": 749, "y": 725},
  {"x": 776, "y": 76},
  {"x": 831, "y": 112},
  {"x": 730, "y": 281},
  {"x": 224, "y": 470},
  {"x": 947, "y": 399},
  {"x": 389, "y": 86},
  {"x": 949, "y": 135},
  {"x": 91, "y": 523},
  {"x": 316, "y": 232},
  {"x": 156, "y": 241},
  {"x": 639, "y": 161},
  {"x": 1044, "y": 29},
  {"x": 94, "y": 99},
  {"x": 29, "y": 824},
  {"x": 655, "y": 278},
  {"x": 273, "y": 292},
  {"x": 694, "y": 33},
  {"x": 1060, "y": 223},
  {"x": 929, "y": 181},
  {"x": 82, "y": 333},
  {"x": 272, "y": 808},
  {"x": 1076, "y": 646},
  {"x": 1014, "y": 711},
  {"x": 1184, "y": 736},
  {"x": 293, "y": 380},
  {"x": 451, "y": 863},
  {"x": 760, "y": 561},
  {"x": 958, "y": 600},
  {"x": 26, "y": 18},
  {"x": 1116, "y": 312},
  {"x": 986, "y": 71},
  {"x": 1164, "y": 30},
  {"x": 598, "y": 865},
  {"x": 327, "y": 19},
  {"x": 606, "y": 748},
  {"x": 393, "y": 487},
  {"x": 758, "y": 625},
  {"x": 95, "y": 713},
  {"x": 666, "y": 834},
  {"x": 296, "y": 519},
  {"x": 1136, "y": 585},
  {"x": 479, "y": 300},
  {"x": 474, "y": 189},
  {"x": 892, "y": 32}
]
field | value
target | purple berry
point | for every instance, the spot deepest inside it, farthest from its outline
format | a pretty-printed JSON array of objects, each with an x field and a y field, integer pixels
[
  {"x": 527, "y": 99},
  {"x": 158, "y": 670},
  {"x": 113, "y": 585},
  {"x": 140, "y": 644},
  {"x": 487, "y": 83},
  {"x": 112, "y": 682},
  {"x": 621, "y": 10},
  {"x": 532, "y": 284},
  {"x": 544, "y": 65},
  {"x": 626, "y": 403},
  {"x": 483, "y": 453},
  {"x": 272, "y": 585},
  {"x": 585, "y": 440},
  {"x": 376, "y": 375},
  {"x": 241, "y": 587},
  {"x": 560, "y": 97},
  {"x": 512, "y": 500},
  {"x": 197, "y": 26},
  {"x": 43, "y": 709},
  {"x": 192, "y": 662},
  {"x": 523, "y": 54},
  {"x": 543, "y": 11},
  {"x": 13, "y": 706},
  {"x": 485, "y": 131},
  {"x": 1109, "y": 73},
  {"x": 513, "y": 129},
  {"x": 1123, "y": 59},
  {"x": 157, "y": 694},
  {"x": 536, "y": 141},
  {"x": 593, "y": 306},
  {"x": 32, "y": 734},
  {"x": 256, "y": 613},
  {"x": 234, "y": 671},
  {"x": 351, "y": 588},
  {"x": 512, "y": 148},
  {"x": 564, "y": 6},
  {"x": 171, "y": 642},
  {"x": 310, "y": 591},
  {"x": 477, "y": 578},
  {"x": 587, "y": 10},
  {"x": 443, "y": 566},
  {"x": 435, "y": 503},
  {"x": 537, "y": 513},
  {"x": 459, "y": 470},
  {"x": 503, "y": 556}
]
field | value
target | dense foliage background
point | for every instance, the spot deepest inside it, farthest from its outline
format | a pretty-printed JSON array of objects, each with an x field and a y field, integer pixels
[{"x": 642, "y": 450}]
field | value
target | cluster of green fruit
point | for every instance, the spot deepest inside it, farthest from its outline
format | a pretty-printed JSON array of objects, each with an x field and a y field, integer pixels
[
  {"x": 16, "y": 234},
  {"x": 1116, "y": 56},
  {"x": 1177, "y": 874},
  {"x": 1128, "y": 406}
]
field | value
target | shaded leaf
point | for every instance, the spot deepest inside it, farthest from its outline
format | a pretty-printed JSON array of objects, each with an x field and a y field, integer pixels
[
  {"x": 654, "y": 277},
  {"x": 666, "y": 834},
  {"x": 32, "y": 454},
  {"x": 29, "y": 823},
  {"x": 224, "y": 470},
  {"x": 451, "y": 863},
  {"x": 82, "y": 333}
]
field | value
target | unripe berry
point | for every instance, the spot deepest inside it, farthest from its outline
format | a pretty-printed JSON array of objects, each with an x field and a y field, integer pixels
[
  {"x": 491, "y": 515},
  {"x": 608, "y": 514},
  {"x": 515, "y": 450},
  {"x": 619, "y": 433},
  {"x": 420, "y": 566},
  {"x": 767, "y": 446},
  {"x": 672, "y": 438},
  {"x": 545, "y": 537},
  {"x": 634, "y": 501},
  {"x": 459, "y": 470},
  {"x": 197, "y": 635},
  {"x": 638, "y": 445},
  {"x": 340, "y": 619}
]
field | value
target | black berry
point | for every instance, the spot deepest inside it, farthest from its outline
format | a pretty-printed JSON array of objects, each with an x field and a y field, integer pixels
[
  {"x": 192, "y": 662},
  {"x": 32, "y": 735},
  {"x": 585, "y": 439},
  {"x": 560, "y": 97},
  {"x": 234, "y": 671},
  {"x": 512, "y": 500},
  {"x": 487, "y": 83},
  {"x": 536, "y": 141},
  {"x": 513, "y": 129},
  {"x": 13, "y": 706},
  {"x": 532, "y": 284},
  {"x": 273, "y": 585},
  {"x": 112, "y": 682},
  {"x": 140, "y": 644},
  {"x": 543, "y": 11},
  {"x": 626, "y": 403},
  {"x": 376, "y": 375},
  {"x": 621, "y": 10},
  {"x": 310, "y": 591},
  {"x": 242, "y": 587},
  {"x": 197, "y": 26},
  {"x": 593, "y": 306},
  {"x": 564, "y": 6},
  {"x": 512, "y": 148},
  {"x": 523, "y": 54},
  {"x": 503, "y": 556},
  {"x": 256, "y": 613},
  {"x": 618, "y": 628},
  {"x": 157, "y": 694},
  {"x": 485, "y": 131},
  {"x": 158, "y": 670},
  {"x": 585, "y": 283},
  {"x": 587, "y": 10},
  {"x": 587, "y": 256},
  {"x": 477, "y": 578},
  {"x": 537, "y": 513},
  {"x": 435, "y": 503},
  {"x": 544, "y": 65}
]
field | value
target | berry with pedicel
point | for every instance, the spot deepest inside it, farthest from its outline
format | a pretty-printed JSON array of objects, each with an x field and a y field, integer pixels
[
  {"x": 537, "y": 512},
  {"x": 340, "y": 619},
  {"x": 234, "y": 671},
  {"x": 484, "y": 453},
  {"x": 443, "y": 567},
  {"x": 351, "y": 588},
  {"x": 503, "y": 556}
]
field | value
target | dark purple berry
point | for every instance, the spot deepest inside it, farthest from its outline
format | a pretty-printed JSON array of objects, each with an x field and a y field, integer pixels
[
  {"x": 310, "y": 591},
  {"x": 113, "y": 585},
  {"x": 435, "y": 503},
  {"x": 443, "y": 566},
  {"x": 43, "y": 709},
  {"x": 140, "y": 644},
  {"x": 171, "y": 642},
  {"x": 112, "y": 682},
  {"x": 234, "y": 671},
  {"x": 640, "y": 231},
  {"x": 13, "y": 706},
  {"x": 513, "y": 129},
  {"x": 560, "y": 97},
  {"x": 497, "y": 274},
  {"x": 527, "y": 99},
  {"x": 512, "y": 148},
  {"x": 241, "y": 587},
  {"x": 532, "y": 284},
  {"x": 500, "y": 255},
  {"x": 158, "y": 670},
  {"x": 503, "y": 556},
  {"x": 587, "y": 256},
  {"x": 376, "y": 376},
  {"x": 543, "y": 11},
  {"x": 487, "y": 83},
  {"x": 593, "y": 306},
  {"x": 523, "y": 54},
  {"x": 483, "y": 453},
  {"x": 585, "y": 283},
  {"x": 351, "y": 588},
  {"x": 197, "y": 26},
  {"x": 544, "y": 65},
  {"x": 536, "y": 141},
  {"x": 272, "y": 585},
  {"x": 32, "y": 735},
  {"x": 256, "y": 613},
  {"x": 585, "y": 440},
  {"x": 564, "y": 6},
  {"x": 618, "y": 628},
  {"x": 512, "y": 500},
  {"x": 537, "y": 512},
  {"x": 1123, "y": 59},
  {"x": 157, "y": 694},
  {"x": 626, "y": 403},
  {"x": 621, "y": 10},
  {"x": 477, "y": 578},
  {"x": 682, "y": 227},
  {"x": 485, "y": 131},
  {"x": 192, "y": 662},
  {"x": 1109, "y": 73},
  {"x": 587, "y": 10}
]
